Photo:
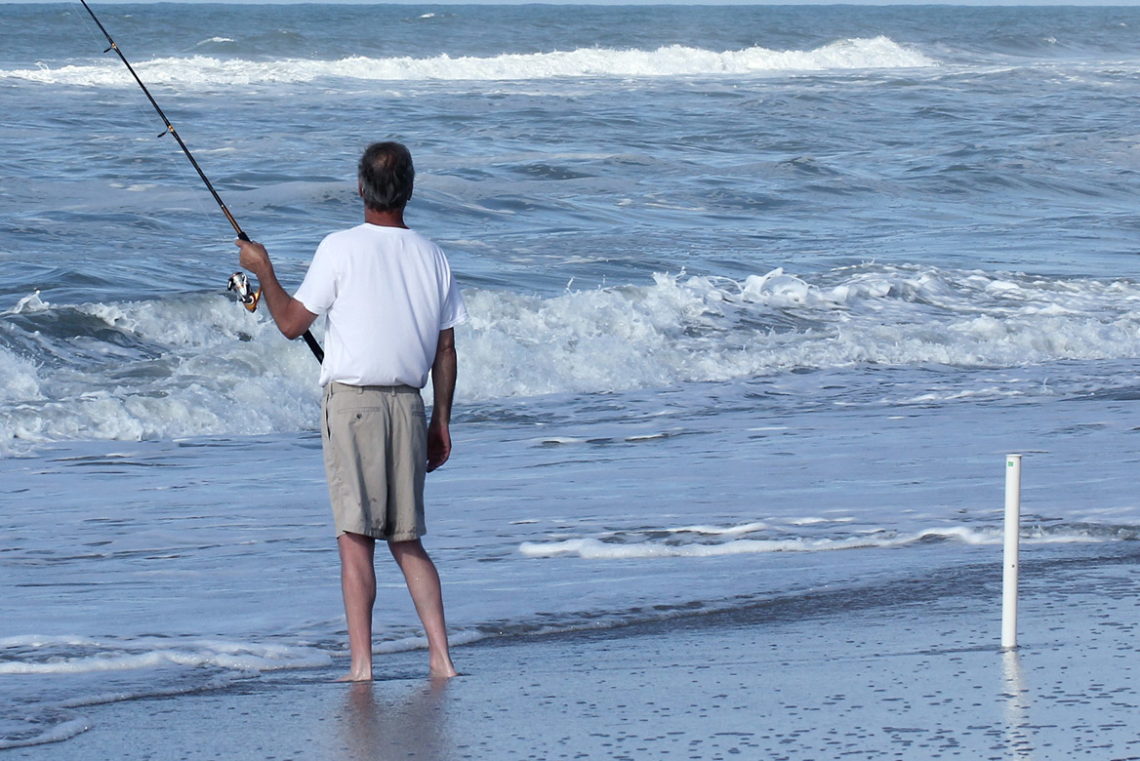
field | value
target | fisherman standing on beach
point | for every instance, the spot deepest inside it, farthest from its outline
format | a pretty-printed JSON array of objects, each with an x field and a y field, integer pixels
[{"x": 391, "y": 303}]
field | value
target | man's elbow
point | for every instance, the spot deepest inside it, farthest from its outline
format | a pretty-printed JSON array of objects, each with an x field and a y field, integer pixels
[
  {"x": 295, "y": 321},
  {"x": 445, "y": 347}
]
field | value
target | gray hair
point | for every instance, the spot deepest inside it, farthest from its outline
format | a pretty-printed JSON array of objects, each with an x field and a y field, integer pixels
[{"x": 386, "y": 176}]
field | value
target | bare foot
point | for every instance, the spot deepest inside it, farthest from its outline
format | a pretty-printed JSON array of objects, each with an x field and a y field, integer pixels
[
  {"x": 443, "y": 670},
  {"x": 352, "y": 676}
]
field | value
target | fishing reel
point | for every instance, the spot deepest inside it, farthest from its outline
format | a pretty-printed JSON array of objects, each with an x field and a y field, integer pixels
[{"x": 239, "y": 283}]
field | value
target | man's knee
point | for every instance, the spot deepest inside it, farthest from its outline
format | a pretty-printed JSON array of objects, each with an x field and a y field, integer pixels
[{"x": 406, "y": 548}]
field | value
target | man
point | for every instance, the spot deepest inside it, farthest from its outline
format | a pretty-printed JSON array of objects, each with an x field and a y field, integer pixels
[{"x": 391, "y": 305}]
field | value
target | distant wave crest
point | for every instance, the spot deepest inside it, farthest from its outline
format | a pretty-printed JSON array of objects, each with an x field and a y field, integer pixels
[{"x": 673, "y": 60}]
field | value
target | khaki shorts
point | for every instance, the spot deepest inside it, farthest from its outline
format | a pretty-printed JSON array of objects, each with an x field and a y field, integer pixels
[{"x": 375, "y": 445}]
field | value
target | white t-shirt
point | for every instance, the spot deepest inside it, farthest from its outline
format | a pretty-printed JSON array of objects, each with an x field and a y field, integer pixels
[{"x": 387, "y": 292}]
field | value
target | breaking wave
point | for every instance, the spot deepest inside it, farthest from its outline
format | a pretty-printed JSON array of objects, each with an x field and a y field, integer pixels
[
  {"x": 198, "y": 365},
  {"x": 673, "y": 60}
]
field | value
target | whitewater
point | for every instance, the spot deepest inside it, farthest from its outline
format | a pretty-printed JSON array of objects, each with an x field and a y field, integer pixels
[
  {"x": 673, "y": 60},
  {"x": 180, "y": 364},
  {"x": 760, "y": 297}
]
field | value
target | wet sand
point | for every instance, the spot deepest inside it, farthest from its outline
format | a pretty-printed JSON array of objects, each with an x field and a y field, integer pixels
[{"x": 918, "y": 676}]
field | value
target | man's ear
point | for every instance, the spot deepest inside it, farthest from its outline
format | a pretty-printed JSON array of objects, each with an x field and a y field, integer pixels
[{"x": 360, "y": 189}]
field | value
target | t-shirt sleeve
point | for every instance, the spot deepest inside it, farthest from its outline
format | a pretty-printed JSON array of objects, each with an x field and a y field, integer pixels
[
  {"x": 454, "y": 310},
  {"x": 318, "y": 289}
]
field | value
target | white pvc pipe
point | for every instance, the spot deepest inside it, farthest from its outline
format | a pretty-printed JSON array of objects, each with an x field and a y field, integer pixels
[{"x": 1009, "y": 559}]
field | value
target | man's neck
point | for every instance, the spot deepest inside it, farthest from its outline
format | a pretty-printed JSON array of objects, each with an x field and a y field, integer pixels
[{"x": 392, "y": 218}]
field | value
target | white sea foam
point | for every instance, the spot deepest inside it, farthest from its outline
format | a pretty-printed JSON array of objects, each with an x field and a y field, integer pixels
[
  {"x": 127, "y": 669},
  {"x": 46, "y": 733},
  {"x": 83, "y": 655},
  {"x": 743, "y": 528},
  {"x": 812, "y": 521},
  {"x": 206, "y": 380},
  {"x": 404, "y": 644},
  {"x": 30, "y": 303},
  {"x": 220, "y": 371},
  {"x": 611, "y": 548},
  {"x": 19, "y": 379},
  {"x": 674, "y": 60},
  {"x": 684, "y": 329}
]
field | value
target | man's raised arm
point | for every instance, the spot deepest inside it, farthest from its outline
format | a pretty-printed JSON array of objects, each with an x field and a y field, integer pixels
[{"x": 291, "y": 316}]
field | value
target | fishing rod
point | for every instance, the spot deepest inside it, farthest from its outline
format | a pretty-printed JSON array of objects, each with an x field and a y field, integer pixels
[{"x": 238, "y": 281}]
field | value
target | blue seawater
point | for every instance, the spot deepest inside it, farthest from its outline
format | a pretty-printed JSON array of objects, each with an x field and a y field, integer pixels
[{"x": 760, "y": 296}]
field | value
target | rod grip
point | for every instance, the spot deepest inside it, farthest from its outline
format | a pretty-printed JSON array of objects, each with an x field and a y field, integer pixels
[{"x": 314, "y": 347}]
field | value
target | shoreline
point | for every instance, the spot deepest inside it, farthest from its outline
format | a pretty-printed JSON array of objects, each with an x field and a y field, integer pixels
[{"x": 919, "y": 677}]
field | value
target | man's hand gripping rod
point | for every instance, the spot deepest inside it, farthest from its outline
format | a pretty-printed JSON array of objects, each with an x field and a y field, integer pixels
[{"x": 238, "y": 281}]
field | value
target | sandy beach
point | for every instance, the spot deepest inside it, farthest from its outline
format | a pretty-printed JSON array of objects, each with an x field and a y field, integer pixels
[{"x": 916, "y": 676}]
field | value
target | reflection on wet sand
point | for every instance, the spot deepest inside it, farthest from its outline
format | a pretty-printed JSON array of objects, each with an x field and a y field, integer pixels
[
  {"x": 1016, "y": 695},
  {"x": 380, "y": 721}
]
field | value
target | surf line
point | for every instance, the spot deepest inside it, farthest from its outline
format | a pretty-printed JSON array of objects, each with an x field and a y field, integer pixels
[{"x": 238, "y": 281}]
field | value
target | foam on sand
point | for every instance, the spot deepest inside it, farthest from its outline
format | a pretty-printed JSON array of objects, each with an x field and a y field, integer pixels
[
  {"x": 710, "y": 543},
  {"x": 172, "y": 666},
  {"x": 75, "y": 655}
]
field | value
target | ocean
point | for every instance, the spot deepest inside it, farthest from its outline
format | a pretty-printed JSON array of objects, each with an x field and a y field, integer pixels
[{"x": 760, "y": 298}]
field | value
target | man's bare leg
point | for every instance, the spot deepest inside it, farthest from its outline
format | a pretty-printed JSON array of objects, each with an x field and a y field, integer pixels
[
  {"x": 358, "y": 584},
  {"x": 423, "y": 584}
]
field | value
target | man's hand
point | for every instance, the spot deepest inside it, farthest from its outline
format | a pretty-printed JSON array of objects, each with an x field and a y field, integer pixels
[
  {"x": 291, "y": 316},
  {"x": 438, "y": 445},
  {"x": 254, "y": 257}
]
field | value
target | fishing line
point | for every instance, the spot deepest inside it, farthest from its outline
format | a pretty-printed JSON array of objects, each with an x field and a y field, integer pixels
[{"x": 238, "y": 281}]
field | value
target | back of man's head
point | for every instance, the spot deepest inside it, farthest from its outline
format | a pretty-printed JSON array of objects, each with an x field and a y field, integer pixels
[{"x": 386, "y": 176}]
